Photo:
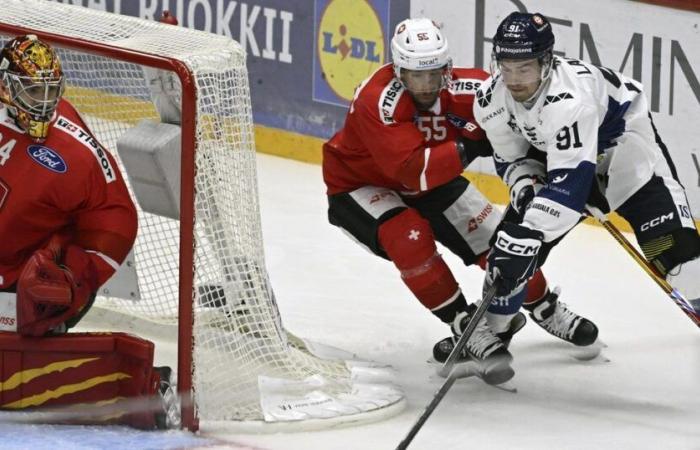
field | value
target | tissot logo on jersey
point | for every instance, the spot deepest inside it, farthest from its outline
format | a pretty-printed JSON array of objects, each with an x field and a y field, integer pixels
[
  {"x": 465, "y": 85},
  {"x": 90, "y": 143},
  {"x": 47, "y": 158},
  {"x": 388, "y": 101}
]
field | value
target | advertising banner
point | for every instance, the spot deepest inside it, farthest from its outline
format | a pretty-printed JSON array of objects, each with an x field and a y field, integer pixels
[{"x": 305, "y": 57}]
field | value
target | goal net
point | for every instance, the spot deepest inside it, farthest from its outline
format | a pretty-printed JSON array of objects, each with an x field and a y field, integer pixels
[{"x": 198, "y": 264}]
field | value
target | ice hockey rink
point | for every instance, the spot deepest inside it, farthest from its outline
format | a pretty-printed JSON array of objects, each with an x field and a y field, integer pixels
[{"x": 330, "y": 290}]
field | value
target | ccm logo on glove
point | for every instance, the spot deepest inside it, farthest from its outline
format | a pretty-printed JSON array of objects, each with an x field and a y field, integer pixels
[{"x": 521, "y": 247}]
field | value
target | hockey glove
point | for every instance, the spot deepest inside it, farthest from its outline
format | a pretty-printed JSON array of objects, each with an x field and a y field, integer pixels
[
  {"x": 523, "y": 191},
  {"x": 53, "y": 288},
  {"x": 513, "y": 257},
  {"x": 469, "y": 149}
]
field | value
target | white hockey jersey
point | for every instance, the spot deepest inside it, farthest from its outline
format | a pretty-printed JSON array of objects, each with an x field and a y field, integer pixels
[{"x": 594, "y": 126}]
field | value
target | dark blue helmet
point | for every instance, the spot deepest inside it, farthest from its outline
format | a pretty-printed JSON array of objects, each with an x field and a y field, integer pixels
[{"x": 523, "y": 36}]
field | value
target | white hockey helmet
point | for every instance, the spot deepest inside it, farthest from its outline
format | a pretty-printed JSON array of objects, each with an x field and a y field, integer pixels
[{"x": 418, "y": 44}]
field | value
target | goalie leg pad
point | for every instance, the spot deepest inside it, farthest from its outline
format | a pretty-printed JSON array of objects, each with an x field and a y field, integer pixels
[
  {"x": 408, "y": 240},
  {"x": 80, "y": 369}
]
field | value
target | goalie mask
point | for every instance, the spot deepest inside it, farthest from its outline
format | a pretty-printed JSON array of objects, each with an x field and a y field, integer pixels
[
  {"x": 421, "y": 61},
  {"x": 32, "y": 83}
]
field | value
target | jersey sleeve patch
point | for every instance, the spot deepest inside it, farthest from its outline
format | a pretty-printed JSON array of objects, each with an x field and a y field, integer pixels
[
  {"x": 388, "y": 100},
  {"x": 461, "y": 123},
  {"x": 89, "y": 142}
]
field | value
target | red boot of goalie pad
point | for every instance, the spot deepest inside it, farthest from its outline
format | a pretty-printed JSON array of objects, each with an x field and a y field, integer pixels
[{"x": 96, "y": 378}]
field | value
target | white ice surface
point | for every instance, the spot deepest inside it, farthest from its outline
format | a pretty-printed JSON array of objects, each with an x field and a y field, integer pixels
[{"x": 331, "y": 290}]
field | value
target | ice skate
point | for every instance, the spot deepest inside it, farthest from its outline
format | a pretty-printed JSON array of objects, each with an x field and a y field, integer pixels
[
  {"x": 558, "y": 320},
  {"x": 485, "y": 353}
]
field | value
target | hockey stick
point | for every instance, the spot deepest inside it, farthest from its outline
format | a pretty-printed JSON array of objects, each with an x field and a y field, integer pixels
[
  {"x": 446, "y": 369},
  {"x": 672, "y": 292}
]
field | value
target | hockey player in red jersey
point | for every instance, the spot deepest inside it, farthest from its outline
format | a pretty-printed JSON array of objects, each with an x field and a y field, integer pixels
[
  {"x": 394, "y": 183},
  {"x": 67, "y": 222}
]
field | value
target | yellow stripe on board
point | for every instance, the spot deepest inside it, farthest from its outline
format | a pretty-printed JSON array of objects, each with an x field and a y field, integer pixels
[
  {"x": 286, "y": 144},
  {"x": 25, "y": 376},
  {"x": 39, "y": 399},
  {"x": 94, "y": 102}
]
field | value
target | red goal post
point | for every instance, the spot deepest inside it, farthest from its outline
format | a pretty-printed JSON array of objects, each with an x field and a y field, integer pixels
[{"x": 200, "y": 269}]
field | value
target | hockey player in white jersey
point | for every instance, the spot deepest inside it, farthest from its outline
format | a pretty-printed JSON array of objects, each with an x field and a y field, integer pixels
[{"x": 567, "y": 134}]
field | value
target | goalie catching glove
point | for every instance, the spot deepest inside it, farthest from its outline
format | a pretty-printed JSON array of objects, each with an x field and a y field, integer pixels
[
  {"x": 513, "y": 257},
  {"x": 55, "y": 289}
]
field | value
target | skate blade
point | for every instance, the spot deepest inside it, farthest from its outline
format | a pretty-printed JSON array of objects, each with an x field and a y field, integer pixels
[
  {"x": 464, "y": 369},
  {"x": 590, "y": 352},
  {"x": 468, "y": 369},
  {"x": 505, "y": 385},
  {"x": 508, "y": 386}
]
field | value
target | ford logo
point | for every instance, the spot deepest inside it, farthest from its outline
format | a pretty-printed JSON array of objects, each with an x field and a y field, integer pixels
[{"x": 47, "y": 158}]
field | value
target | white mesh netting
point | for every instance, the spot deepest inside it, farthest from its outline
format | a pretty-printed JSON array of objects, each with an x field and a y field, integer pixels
[{"x": 237, "y": 331}]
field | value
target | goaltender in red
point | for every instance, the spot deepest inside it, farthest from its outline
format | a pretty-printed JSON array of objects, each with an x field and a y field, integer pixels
[{"x": 67, "y": 222}]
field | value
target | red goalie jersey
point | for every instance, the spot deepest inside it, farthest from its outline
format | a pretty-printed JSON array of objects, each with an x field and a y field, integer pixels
[
  {"x": 387, "y": 142},
  {"x": 69, "y": 186}
]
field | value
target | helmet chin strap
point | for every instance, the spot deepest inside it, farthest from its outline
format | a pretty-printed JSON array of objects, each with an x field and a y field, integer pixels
[
  {"x": 545, "y": 76},
  {"x": 530, "y": 102}
]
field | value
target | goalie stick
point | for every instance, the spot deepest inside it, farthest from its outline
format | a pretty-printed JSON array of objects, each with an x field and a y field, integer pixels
[
  {"x": 673, "y": 293},
  {"x": 447, "y": 368}
]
